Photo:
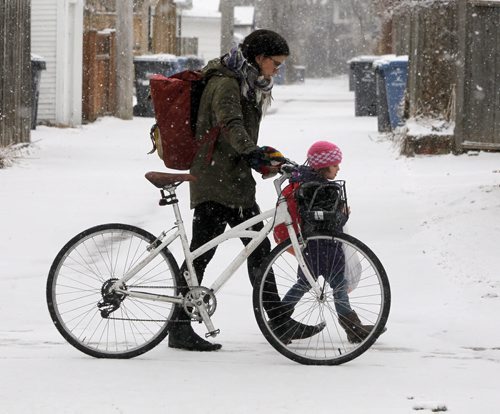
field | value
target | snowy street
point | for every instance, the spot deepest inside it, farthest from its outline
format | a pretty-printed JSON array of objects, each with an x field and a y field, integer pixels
[{"x": 432, "y": 220}]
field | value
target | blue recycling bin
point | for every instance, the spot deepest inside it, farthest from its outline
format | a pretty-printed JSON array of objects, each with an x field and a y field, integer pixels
[
  {"x": 145, "y": 67},
  {"x": 383, "y": 120},
  {"x": 300, "y": 74},
  {"x": 195, "y": 63},
  {"x": 395, "y": 77}
]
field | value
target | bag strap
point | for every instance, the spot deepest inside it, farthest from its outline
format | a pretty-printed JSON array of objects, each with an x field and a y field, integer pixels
[
  {"x": 210, "y": 138},
  {"x": 152, "y": 132}
]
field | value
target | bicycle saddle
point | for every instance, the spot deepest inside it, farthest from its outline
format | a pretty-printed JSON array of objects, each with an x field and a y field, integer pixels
[{"x": 160, "y": 179}]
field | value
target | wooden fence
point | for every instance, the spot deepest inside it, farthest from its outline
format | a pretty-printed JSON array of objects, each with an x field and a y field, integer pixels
[
  {"x": 432, "y": 45},
  {"x": 478, "y": 92},
  {"x": 15, "y": 72},
  {"x": 99, "y": 74},
  {"x": 454, "y": 67}
]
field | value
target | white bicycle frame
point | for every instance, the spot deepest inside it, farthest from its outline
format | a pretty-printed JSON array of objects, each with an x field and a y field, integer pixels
[{"x": 280, "y": 214}]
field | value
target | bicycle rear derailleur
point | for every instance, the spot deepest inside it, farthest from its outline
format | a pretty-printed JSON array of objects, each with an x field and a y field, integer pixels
[
  {"x": 111, "y": 300},
  {"x": 196, "y": 297}
]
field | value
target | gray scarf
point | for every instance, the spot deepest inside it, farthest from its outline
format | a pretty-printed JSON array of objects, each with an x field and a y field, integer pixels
[{"x": 252, "y": 84}]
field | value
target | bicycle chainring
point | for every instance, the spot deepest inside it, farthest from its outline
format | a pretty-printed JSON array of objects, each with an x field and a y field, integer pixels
[{"x": 196, "y": 297}]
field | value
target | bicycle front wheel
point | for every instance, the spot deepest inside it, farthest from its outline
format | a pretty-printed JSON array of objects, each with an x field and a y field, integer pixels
[
  {"x": 332, "y": 327},
  {"x": 78, "y": 289}
]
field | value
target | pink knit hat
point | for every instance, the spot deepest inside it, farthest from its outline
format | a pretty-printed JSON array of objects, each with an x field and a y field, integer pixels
[{"x": 323, "y": 154}]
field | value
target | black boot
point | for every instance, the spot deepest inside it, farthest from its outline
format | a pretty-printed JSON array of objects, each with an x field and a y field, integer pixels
[
  {"x": 182, "y": 336},
  {"x": 287, "y": 329},
  {"x": 354, "y": 328}
]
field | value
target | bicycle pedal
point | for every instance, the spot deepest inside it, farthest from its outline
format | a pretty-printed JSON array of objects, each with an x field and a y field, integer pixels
[{"x": 212, "y": 334}]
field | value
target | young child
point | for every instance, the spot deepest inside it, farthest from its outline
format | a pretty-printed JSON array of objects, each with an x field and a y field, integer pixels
[{"x": 324, "y": 160}]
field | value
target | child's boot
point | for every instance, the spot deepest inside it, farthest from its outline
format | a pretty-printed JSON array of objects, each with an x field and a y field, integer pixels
[{"x": 354, "y": 328}]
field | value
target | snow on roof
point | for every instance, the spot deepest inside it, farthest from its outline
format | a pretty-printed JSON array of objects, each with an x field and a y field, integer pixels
[
  {"x": 204, "y": 8},
  {"x": 203, "y": 13},
  {"x": 244, "y": 15}
]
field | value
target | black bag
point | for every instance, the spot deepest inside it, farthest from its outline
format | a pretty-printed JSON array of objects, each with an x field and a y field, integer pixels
[{"x": 322, "y": 206}]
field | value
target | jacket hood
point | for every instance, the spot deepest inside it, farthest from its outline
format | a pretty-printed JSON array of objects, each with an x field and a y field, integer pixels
[{"x": 215, "y": 68}]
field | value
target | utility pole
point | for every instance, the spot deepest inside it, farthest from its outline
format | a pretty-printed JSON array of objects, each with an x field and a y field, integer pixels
[
  {"x": 226, "y": 9},
  {"x": 124, "y": 59}
]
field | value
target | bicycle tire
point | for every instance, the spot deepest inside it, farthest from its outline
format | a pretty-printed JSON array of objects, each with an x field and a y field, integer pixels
[
  {"x": 77, "y": 280},
  {"x": 371, "y": 301}
]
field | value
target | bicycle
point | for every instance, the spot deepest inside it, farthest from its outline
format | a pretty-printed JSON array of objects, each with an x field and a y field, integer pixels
[{"x": 113, "y": 289}]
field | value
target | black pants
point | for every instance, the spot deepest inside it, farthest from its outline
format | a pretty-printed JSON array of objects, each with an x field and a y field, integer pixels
[{"x": 209, "y": 221}]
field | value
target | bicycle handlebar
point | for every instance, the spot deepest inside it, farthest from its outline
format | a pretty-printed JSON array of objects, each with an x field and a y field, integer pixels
[{"x": 288, "y": 166}]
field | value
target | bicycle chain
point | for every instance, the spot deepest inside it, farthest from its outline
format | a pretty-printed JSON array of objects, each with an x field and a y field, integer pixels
[
  {"x": 152, "y": 287},
  {"x": 145, "y": 320},
  {"x": 138, "y": 320}
]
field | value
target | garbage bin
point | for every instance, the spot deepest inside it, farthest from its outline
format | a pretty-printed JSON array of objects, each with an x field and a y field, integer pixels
[
  {"x": 396, "y": 77},
  {"x": 300, "y": 73},
  {"x": 146, "y": 66},
  {"x": 194, "y": 63},
  {"x": 37, "y": 65},
  {"x": 365, "y": 92},
  {"x": 383, "y": 121},
  {"x": 182, "y": 63}
]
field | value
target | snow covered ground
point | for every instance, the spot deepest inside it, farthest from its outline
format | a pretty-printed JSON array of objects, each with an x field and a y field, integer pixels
[{"x": 433, "y": 221}]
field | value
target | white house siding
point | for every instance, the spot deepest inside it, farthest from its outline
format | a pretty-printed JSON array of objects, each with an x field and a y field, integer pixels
[
  {"x": 57, "y": 35},
  {"x": 207, "y": 30},
  {"x": 43, "y": 43},
  {"x": 70, "y": 57}
]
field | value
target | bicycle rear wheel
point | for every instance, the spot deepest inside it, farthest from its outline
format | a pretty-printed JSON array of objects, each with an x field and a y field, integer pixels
[
  {"x": 336, "y": 343},
  {"x": 81, "y": 277}
]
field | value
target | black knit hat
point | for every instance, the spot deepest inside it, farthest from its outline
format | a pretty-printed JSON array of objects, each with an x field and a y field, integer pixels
[{"x": 264, "y": 42}]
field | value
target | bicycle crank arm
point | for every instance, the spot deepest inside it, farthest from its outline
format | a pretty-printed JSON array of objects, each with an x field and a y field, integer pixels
[{"x": 208, "y": 322}]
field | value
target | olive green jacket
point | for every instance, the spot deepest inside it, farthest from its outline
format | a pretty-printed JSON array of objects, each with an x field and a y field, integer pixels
[{"x": 227, "y": 177}]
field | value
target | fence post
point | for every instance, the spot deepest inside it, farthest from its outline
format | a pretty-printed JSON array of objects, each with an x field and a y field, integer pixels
[
  {"x": 15, "y": 72},
  {"x": 460, "y": 91},
  {"x": 89, "y": 75}
]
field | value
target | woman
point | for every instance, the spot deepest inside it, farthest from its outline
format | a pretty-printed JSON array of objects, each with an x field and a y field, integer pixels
[{"x": 237, "y": 93}]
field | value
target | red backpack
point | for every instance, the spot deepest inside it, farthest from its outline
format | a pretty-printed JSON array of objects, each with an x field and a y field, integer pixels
[
  {"x": 280, "y": 232},
  {"x": 175, "y": 101}
]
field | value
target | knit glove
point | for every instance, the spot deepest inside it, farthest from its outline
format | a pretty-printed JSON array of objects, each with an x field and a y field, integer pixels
[{"x": 265, "y": 160}]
